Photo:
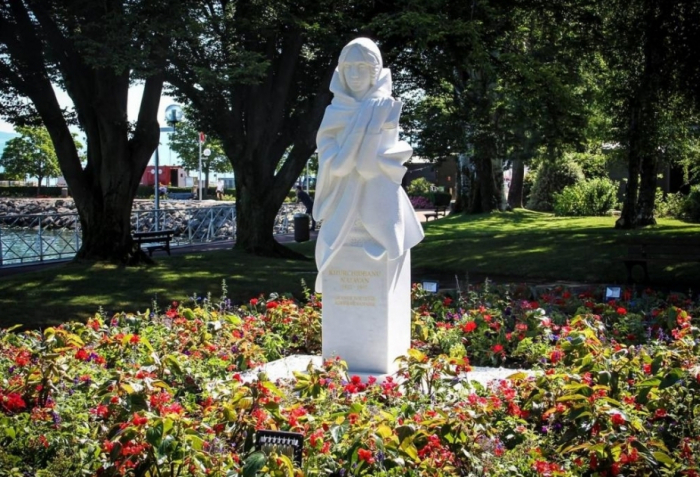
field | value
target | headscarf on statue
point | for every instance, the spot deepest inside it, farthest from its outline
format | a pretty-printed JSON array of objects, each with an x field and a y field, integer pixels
[{"x": 360, "y": 170}]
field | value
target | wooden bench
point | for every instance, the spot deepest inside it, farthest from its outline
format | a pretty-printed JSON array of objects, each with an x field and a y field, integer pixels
[
  {"x": 439, "y": 210},
  {"x": 640, "y": 254},
  {"x": 161, "y": 238}
]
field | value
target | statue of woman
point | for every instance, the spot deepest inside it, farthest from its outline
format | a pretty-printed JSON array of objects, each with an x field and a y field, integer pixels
[{"x": 359, "y": 196}]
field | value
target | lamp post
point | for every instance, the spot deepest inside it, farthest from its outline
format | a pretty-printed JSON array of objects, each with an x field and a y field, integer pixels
[
  {"x": 156, "y": 182},
  {"x": 205, "y": 153}
]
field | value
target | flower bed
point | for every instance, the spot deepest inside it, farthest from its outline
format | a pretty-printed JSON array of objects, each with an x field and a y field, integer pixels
[{"x": 160, "y": 394}]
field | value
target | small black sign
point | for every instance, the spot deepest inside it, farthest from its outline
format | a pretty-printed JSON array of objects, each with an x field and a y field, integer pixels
[{"x": 290, "y": 444}]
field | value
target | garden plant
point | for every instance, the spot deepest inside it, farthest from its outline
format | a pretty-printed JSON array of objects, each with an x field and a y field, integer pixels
[{"x": 609, "y": 387}]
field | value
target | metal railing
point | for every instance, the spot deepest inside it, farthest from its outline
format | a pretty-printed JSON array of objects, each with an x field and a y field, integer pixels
[{"x": 31, "y": 238}]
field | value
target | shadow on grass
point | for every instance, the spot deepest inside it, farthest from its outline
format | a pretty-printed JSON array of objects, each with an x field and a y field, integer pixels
[{"x": 521, "y": 246}]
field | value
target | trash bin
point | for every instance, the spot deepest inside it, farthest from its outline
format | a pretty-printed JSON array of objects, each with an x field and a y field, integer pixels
[
  {"x": 64, "y": 192},
  {"x": 301, "y": 227}
]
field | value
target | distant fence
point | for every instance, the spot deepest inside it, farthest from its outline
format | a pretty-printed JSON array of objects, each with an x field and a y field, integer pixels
[{"x": 31, "y": 238}]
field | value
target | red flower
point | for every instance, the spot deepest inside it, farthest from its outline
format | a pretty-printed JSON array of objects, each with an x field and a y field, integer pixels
[
  {"x": 555, "y": 356},
  {"x": 497, "y": 349},
  {"x": 446, "y": 301},
  {"x": 253, "y": 301},
  {"x": 365, "y": 455},
  {"x": 22, "y": 358},
  {"x": 135, "y": 339},
  {"x": 617, "y": 419},
  {"x": 139, "y": 420},
  {"x": 11, "y": 403},
  {"x": 100, "y": 411},
  {"x": 660, "y": 413},
  {"x": 271, "y": 305},
  {"x": 469, "y": 326},
  {"x": 621, "y": 311},
  {"x": 81, "y": 354}
]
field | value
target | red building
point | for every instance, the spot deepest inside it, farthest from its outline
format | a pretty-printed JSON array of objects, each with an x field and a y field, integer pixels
[{"x": 174, "y": 176}]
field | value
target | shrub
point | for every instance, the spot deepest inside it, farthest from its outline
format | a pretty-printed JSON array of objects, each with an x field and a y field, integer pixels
[
  {"x": 690, "y": 210},
  {"x": 419, "y": 186},
  {"x": 552, "y": 178},
  {"x": 587, "y": 198},
  {"x": 592, "y": 165},
  {"x": 528, "y": 182},
  {"x": 669, "y": 206}
]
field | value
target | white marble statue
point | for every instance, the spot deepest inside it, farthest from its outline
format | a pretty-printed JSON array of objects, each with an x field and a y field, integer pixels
[{"x": 359, "y": 196}]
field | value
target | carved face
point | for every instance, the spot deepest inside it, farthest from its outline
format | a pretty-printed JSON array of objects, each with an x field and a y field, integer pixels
[{"x": 358, "y": 73}]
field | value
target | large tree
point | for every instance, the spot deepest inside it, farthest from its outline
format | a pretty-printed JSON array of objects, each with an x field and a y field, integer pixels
[
  {"x": 94, "y": 51},
  {"x": 511, "y": 70},
  {"x": 31, "y": 154},
  {"x": 257, "y": 75},
  {"x": 650, "y": 47}
]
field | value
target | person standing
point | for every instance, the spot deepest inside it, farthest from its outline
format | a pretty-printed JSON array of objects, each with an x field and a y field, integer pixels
[
  {"x": 308, "y": 202},
  {"x": 220, "y": 190}
]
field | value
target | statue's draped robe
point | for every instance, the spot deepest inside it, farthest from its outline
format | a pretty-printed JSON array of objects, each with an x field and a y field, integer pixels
[{"x": 359, "y": 178}]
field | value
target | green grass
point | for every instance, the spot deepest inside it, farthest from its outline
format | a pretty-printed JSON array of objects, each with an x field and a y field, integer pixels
[
  {"x": 519, "y": 246},
  {"x": 533, "y": 246}
]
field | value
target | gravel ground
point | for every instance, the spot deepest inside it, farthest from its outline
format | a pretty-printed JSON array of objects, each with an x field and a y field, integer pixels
[{"x": 284, "y": 369}]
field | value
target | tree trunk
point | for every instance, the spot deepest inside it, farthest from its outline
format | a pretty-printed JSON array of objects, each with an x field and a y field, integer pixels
[
  {"x": 117, "y": 151},
  {"x": 647, "y": 190},
  {"x": 107, "y": 231},
  {"x": 517, "y": 184},
  {"x": 255, "y": 221},
  {"x": 489, "y": 197},
  {"x": 628, "y": 216}
]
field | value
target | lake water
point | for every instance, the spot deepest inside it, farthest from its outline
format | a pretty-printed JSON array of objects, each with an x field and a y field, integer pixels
[{"x": 21, "y": 246}]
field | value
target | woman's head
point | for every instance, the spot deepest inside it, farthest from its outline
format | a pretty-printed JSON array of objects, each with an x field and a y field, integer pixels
[{"x": 359, "y": 65}]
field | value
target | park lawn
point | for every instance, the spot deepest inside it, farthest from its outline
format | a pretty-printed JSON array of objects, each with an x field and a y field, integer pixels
[
  {"x": 539, "y": 247},
  {"x": 521, "y": 246}
]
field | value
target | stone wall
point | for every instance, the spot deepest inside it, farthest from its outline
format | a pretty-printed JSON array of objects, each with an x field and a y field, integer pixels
[{"x": 61, "y": 213}]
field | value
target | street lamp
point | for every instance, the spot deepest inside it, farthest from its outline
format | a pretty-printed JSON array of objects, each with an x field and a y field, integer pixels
[
  {"x": 205, "y": 153},
  {"x": 173, "y": 114}
]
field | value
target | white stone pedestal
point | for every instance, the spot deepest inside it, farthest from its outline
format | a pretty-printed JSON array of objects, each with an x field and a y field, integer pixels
[{"x": 367, "y": 310}]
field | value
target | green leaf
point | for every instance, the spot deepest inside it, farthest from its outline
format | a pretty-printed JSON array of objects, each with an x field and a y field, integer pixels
[
  {"x": 409, "y": 448},
  {"x": 517, "y": 376},
  {"x": 572, "y": 397},
  {"x": 254, "y": 463},
  {"x": 154, "y": 435},
  {"x": 663, "y": 458},
  {"x": 384, "y": 431},
  {"x": 197, "y": 442},
  {"x": 189, "y": 314},
  {"x": 337, "y": 433},
  {"x": 673, "y": 377}
]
